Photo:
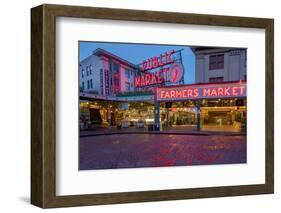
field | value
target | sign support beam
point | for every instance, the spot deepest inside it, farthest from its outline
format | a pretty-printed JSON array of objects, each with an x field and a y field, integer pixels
[
  {"x": 198, "y": 115},
  {"x": 156, "y": 116}
]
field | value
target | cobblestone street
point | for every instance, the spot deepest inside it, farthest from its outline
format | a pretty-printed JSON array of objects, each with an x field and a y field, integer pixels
[{"x": 156, "y": 150}]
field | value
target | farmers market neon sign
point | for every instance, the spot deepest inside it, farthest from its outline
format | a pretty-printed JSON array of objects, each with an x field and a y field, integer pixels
[
  {"x": 201, "y": 91},
  {"x": 148, "y": 77}
]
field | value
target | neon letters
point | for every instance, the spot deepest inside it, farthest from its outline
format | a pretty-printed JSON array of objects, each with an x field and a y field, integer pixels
[
  {"x": 201, "y": 91},
  {"x": 148, "y": 77}
]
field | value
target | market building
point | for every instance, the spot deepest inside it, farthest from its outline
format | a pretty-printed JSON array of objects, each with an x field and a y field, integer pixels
[
  {"x": 218, "y": 65},
  {"x": 116, "y": 94},
  {"x": 214, "y": 65},
  {"x": 105, "y": 74}
]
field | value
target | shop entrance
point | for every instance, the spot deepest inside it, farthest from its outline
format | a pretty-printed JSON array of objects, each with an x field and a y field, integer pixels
[
  {"x": 228, "y": 119},
  {"x": 178, "y": 116},
  {"x": 218, "y": 118},
  {"x": 183, "y": 116},
  {"x": 95, "y": 116}
]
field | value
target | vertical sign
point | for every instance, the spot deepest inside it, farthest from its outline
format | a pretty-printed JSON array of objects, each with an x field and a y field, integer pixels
[
  {"x": 106, "y": 80},
  {"x": 101, "y": 82}
]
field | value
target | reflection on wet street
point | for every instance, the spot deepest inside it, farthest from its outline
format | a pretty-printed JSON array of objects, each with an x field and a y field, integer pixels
[{"x": 149, "y": 150}]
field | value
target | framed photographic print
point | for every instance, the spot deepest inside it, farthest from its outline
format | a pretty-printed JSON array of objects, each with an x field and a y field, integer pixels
[{"x": 136, "y": 106}]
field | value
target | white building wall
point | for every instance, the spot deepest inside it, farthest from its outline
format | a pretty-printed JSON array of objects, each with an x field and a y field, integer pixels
[
  {"x": 212, "y": 73},
  {"x": 234, "y": 65},
  {"x": 200, "y": 65},
  {"x": 243, "y": 64},
  {"x": 96, "y": 64},
  {"x": 100, "y": 65},
  {"x": 124, "y": 78}
]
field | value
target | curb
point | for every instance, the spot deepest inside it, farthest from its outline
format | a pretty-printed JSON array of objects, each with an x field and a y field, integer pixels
[{"x": 164, "y": 133}]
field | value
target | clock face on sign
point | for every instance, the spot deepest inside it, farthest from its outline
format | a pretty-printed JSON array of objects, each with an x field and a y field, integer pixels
[{"x": 176, "y": 72}]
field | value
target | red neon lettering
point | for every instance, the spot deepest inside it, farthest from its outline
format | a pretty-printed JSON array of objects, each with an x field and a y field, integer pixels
[
  {"x": 161, "y": 61},
  {"x": 206, "y": 92},
  {"x": 220, "y": 91},
  {"x": 214, "y": 92},
  {"x": 167, "y": 95},
  {"x": 175, "y": 75},
  {"x": 147, "y": 79},
  {"x": 234, "y": 91},
  {"x": 196, "y": 93},
  {"x": 155, "y": 62},
  {"x": 173, "y": 93},
  {"x": 184, "y": 94},
  {"x": 160, "y": 79},
  {"x": 150, "y": 64},
  {"x": 226, "y": 91},
  {"x": 142, "y": 81},
  {"x": 168, "y": 57},
  {"x": 144, "y": 65},
  {"x": 189, "y": 93},
  {"x": 153, "y": 78},
  {"x": 242, "y": 90},
  {"x": 164, "y": 71},
  {"x": 137, "y": 81},
  {"x": 178, "y": 93},
  {"x": 162, "y": 93}
]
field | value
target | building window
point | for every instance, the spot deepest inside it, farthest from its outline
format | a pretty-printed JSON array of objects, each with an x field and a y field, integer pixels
[
  {"x": 91, "y": 83},
  {"x": 127, "y": 85},
  {"x": 245, "y": 77},
  {"x": 88, "y": 84},
  {"x": 83, "y": 86},
  {"x": 87, "y": 70},
  {"x": 82, "y": 73},
  {"x": 115, "y": 67},
  {"x": 90, "y": 69},
  {"x": 110, "y": 66},
  {"x": 116, "y": 82},
  {"x": 216, "y": 62},
  {"x": 216, "y": 79},
  {"x": 127, "y": 74}
]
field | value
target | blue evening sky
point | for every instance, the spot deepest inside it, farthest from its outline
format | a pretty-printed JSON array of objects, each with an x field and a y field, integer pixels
[{"x": 136, "y": 53}]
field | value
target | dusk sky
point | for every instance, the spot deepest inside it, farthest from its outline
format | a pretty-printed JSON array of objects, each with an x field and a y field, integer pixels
[{"x": 136, "y": 53}]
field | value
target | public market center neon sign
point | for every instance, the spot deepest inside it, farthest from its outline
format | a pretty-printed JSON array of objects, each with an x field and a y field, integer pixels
[
  {"x": 201, "y": 91},
  {"x": 149, "y": 77}
]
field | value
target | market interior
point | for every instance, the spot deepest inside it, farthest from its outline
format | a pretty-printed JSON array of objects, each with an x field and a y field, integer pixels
[{"x": 221, "y": 115}]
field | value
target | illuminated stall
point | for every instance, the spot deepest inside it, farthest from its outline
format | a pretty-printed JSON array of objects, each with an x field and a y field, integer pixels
[{"x": 218, "y": 107}]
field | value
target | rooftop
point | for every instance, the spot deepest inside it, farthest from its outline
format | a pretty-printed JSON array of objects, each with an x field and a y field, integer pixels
[{"x": 102, "y": 52}]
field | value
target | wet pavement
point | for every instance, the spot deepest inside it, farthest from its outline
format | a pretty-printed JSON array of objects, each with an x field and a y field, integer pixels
[
  {"x": 158, "y": 150},
  {"x": 183, "y": 129}
]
